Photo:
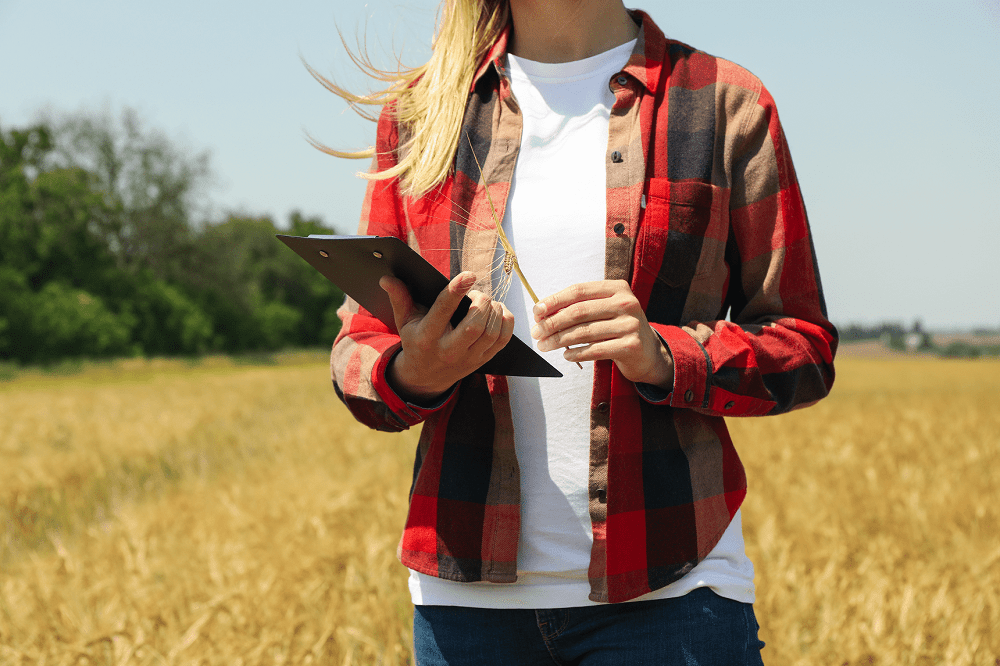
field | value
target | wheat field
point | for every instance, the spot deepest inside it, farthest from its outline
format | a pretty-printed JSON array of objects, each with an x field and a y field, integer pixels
[{"x": 155, "y": 513}]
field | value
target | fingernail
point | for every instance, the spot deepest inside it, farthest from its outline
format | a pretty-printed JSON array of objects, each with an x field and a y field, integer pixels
[
  {"x": 536, "y": 332},
  {"x": 538, "y": 310},
  {"x": 467, "y": 281}
]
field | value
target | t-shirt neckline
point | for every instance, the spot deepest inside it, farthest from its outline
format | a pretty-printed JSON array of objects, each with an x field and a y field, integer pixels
[{"x": 576, "y": 69}]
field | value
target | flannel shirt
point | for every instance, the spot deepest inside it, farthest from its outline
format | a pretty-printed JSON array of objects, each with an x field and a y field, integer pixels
[{"x": 704, "y": 218}]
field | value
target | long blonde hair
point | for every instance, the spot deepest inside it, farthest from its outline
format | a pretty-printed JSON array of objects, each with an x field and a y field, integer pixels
[{"x": 429, "y": 100}]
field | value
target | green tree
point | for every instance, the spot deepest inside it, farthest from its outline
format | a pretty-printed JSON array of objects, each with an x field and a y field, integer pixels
[
  {"x": 152, "y": 187},
  {"x": 58, "y": 321},
  {"x": 167, "y": 320},
  {"x": 22, "y": 153},
  {"x": 68, "y": 289},
  {"x": 53, "y": 256},
  {"x": 260, "y": 293},
  {"x": 101, "y": 252},
  {"x": 232, "y": 259}
]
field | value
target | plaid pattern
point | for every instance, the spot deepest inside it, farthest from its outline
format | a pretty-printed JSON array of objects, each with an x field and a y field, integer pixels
[{"x": 705, "y": 219}]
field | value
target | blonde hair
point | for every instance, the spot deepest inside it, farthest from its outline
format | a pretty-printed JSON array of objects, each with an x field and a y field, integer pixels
[{"x": 428, "y": 101}]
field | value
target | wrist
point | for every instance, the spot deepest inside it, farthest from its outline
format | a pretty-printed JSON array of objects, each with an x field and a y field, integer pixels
[
  {"x": 401, "y": 380},
  {"x": 662, "y": 372}
]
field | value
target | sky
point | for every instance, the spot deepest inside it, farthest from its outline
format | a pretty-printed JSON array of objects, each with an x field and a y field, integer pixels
[{"x": 890, "y": 109}]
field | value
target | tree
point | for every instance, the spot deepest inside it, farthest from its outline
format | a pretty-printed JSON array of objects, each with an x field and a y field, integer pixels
[
  {"x": 229, "y": 283},
  {"x": 152, "y": 188},
  {"x": 259, "y": 293},
  {"x": 67, "y": 290},
  {"x": 52, "y": 257},
  {"x": 101, "y": 254}
]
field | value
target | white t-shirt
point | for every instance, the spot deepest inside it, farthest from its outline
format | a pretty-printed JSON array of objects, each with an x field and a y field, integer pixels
[{"x": 555, "y": 219}]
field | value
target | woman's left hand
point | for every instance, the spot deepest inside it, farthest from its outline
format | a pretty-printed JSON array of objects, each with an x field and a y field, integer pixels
[{"x": 605, "y": 318}]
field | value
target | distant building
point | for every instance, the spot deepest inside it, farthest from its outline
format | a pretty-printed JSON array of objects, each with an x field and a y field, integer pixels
[{"x": 917, "y": 339}]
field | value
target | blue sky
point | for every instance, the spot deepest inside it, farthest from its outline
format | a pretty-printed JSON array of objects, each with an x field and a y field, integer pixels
[{"x": 891, "y": 111}]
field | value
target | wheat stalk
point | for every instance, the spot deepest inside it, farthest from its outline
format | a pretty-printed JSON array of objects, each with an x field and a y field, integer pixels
[{"x": 509, "y": 257}]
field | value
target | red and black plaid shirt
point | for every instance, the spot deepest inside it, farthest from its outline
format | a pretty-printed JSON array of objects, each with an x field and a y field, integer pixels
[{"x": 704, "y": 219}]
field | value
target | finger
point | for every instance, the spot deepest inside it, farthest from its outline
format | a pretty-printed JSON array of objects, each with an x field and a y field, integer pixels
[
  {"x": 698, "y": 330},
  {"x": 581, "y": 291},
  {"x": 506, "y": 333},
  {"x": 586, "y": 333},
  {"x": 495, "y": 320},
  {"x": 473, "y": 325},
  {"x": 491, "y": 331},
  {"x": 576, "y": 314},
  {"x": 404, "y": 310},
  {"x": 438, "y": 318},
  {"x": 598, "y": 351}
]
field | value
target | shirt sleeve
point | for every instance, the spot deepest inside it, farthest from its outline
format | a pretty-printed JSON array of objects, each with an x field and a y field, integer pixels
[
  {"x": 776, "y": 352},
  {"x": 365, "y": 346}
]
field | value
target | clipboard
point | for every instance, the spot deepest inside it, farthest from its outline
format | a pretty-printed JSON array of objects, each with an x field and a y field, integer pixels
[{"x": 356, "y": 264}]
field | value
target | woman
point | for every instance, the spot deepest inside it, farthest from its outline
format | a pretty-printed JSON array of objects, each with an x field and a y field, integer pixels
[{"x": 647, "y": 191}]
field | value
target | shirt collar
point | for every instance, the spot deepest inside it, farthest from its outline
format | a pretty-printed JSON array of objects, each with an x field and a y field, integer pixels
[
  {"x": 645, "y": 64},
  {"x": 494, "y": 59},
  {"x": 649, "y": 55}
]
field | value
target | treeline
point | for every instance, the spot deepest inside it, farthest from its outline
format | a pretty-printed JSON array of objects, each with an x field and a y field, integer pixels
[
  {"x": 895, "y": 335},
  {"x": 105, "y": 252},
  {"x": 859, "y": 332}
]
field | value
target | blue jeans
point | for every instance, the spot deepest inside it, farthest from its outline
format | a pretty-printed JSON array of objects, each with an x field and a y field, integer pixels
[{"x": 698, "y": 629}]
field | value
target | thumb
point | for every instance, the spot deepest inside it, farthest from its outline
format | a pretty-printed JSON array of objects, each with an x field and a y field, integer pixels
[{"x": 403, "y": 309}]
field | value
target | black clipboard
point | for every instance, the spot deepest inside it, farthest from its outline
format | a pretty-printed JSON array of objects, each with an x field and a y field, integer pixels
[{"x": 356, "y": 264}]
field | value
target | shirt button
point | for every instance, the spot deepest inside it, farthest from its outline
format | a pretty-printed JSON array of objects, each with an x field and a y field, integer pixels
[
  {"x": 616, "y": 157},
  {"x": 730, "y": 404},
  {"x": 619, "y": 228},
  {"x": 603, "y": 407},
  {"x": 689, "y": 395},
  {"x": 622, "y": 80}
]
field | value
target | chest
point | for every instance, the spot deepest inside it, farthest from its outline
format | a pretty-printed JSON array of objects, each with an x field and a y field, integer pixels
[{"x": 663, "y": 234}]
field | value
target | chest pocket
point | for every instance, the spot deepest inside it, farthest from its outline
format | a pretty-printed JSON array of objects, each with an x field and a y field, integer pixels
[{"x": 678, "y": 230}]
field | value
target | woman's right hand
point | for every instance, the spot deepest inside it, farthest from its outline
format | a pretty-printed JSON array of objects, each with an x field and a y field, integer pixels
[{"x": 435, "y": 354}]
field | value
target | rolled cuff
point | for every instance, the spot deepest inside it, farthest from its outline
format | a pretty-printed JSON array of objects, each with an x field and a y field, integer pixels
[
  {"x": 409, "y": 412},
  {"x": 692, "y": 371}
]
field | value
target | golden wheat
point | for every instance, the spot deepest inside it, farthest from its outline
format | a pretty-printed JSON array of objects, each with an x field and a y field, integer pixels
[
  {"x": 230, "y": 515},
  {"x": 288, "y": 554},
  {"x": 872, "y": 517}
]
